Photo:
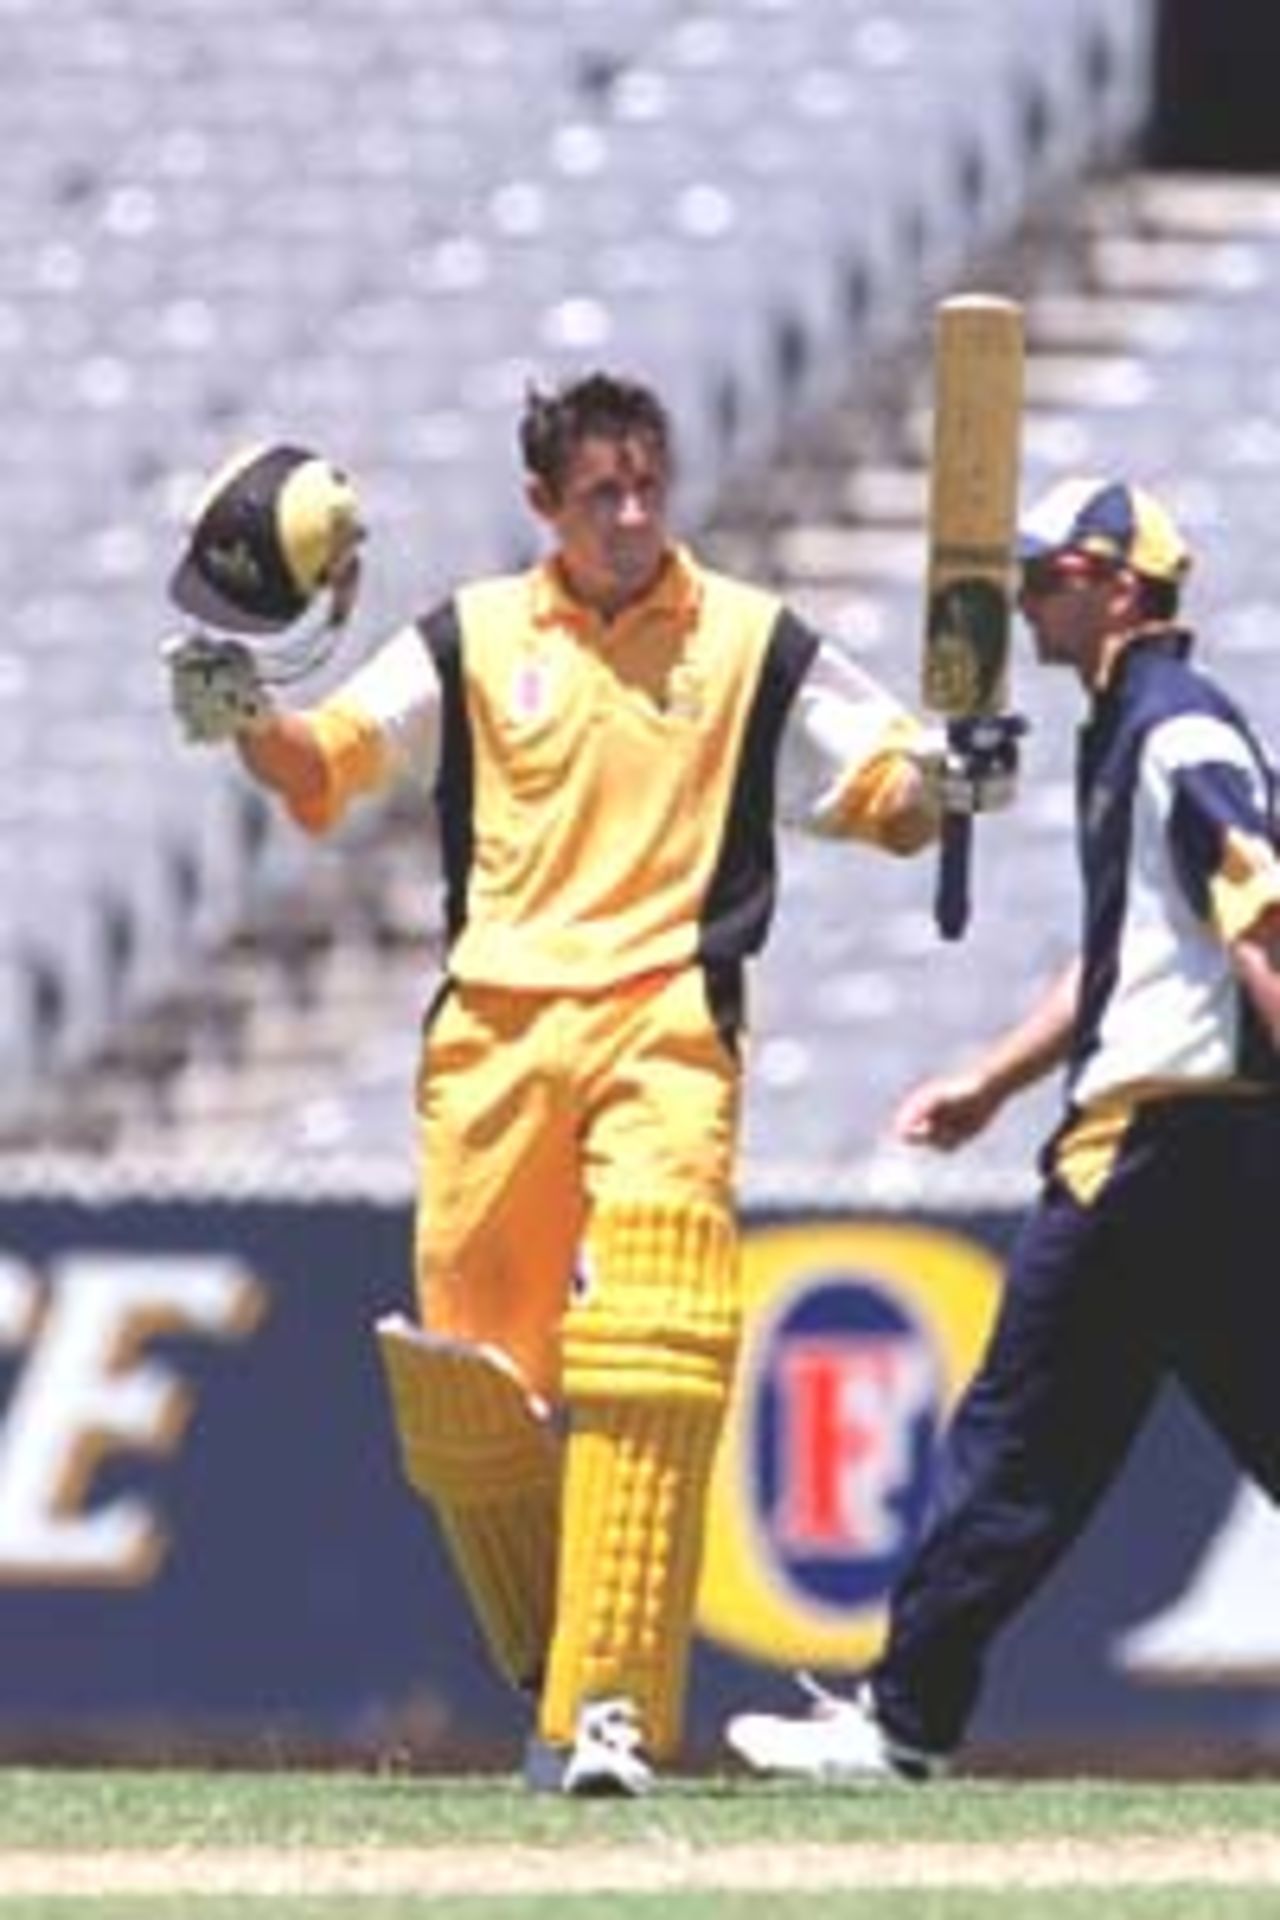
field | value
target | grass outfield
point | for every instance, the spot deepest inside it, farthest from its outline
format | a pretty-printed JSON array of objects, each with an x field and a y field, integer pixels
[
  {"x": 296, "y": 1846},
  {"x": 124, "y": 1808},
  {"x": 1144, "y": 1904}
]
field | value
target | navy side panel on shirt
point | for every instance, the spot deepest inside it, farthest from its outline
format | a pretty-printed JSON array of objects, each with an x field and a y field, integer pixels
[
  {"x": 441, "y": 629},
  {"x": 740, "y": 899}
]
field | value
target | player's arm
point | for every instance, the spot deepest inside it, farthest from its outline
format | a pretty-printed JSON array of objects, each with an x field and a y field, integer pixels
[
  {"x": 1255, "y": 956},
  {"x": 1223, "y": 847},
  {"x": 283, "y": 753},
  {"x": 947, "y": 1111},
  {"x": 855, "y": 764},
  {"x": 380, "y": 724},
  {"x": 848, "y": 764},
  {"x": 1242, "y": 897}
]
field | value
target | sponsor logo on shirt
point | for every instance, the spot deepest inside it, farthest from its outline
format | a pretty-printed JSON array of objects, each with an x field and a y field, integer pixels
[{"x": 530, "y": 696}]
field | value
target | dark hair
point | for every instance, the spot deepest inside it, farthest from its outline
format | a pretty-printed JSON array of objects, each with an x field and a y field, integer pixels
[
  {"x": 1159, "y": 598},
  {"x": 597, "y": 406}
]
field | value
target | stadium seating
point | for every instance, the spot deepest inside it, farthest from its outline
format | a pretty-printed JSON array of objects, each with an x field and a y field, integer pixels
[{"x": 368, "y": 229}]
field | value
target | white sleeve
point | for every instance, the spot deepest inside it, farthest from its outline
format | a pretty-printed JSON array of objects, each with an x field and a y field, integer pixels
[
  {"x": 399, "y": 689},
  {"x": 837, "y": 722}
]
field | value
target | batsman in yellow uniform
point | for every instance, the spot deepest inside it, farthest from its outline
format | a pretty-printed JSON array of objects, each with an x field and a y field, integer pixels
[{"x": 611, "y": 738}]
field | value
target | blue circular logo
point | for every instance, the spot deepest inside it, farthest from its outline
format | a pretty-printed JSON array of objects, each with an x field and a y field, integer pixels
[
  {"x": 858, "y": 1337},
  {"x": 846, "y": 1416}
]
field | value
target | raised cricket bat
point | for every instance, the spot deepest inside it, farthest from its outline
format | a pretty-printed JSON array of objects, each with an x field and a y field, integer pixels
[{"x": 973, "y": 504}]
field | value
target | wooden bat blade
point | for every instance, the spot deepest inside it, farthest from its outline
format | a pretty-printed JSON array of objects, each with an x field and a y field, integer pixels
[{"x": 973, "y": 503}]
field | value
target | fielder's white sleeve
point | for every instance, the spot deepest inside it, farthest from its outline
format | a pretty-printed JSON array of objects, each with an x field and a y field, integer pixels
[{"x": 840, "y": 718}]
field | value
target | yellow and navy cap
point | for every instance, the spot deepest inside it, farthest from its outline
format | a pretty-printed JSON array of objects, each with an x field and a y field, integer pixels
[
  {"x": 1109, "y": 519},
  {"x": 266, "y": 533}
]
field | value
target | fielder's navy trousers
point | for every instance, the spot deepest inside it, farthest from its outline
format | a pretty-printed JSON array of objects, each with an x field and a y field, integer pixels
[{"x": 1169, "y": 1270}]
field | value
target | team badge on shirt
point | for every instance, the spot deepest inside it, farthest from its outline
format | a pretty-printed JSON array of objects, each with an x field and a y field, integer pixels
[
  {"x": 531, "y": 687},
  {"x": 685, "y": 693}
]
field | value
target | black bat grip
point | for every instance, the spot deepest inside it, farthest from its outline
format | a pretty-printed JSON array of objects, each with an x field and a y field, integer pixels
[{"x": 951, "y": 900}]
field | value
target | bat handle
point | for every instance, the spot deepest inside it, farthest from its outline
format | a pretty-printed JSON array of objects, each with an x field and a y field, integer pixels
[{"x": 951, "y": 901}]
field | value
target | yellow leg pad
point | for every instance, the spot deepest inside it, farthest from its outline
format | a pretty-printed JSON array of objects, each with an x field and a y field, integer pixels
[
  {"x": 480, "y": 1450},
  {"x": 647, "y": 1363}
]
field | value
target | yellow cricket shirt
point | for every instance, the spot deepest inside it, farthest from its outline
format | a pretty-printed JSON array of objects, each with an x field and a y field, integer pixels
[{"x": 607, "y": 792}]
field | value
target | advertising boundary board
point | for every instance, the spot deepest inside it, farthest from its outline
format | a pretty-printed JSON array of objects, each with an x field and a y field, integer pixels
[{"x": 206, "y": 1546}]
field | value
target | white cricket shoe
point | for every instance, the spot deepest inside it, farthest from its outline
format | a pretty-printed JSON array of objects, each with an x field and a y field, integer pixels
[
  {"x": 606, "y": 1758},
  {"x": 836, "y": 1740}
]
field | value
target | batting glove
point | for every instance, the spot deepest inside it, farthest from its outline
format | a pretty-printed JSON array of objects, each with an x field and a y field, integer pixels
[
  {"x": 971, "y": 766},
  {"x": 215, "y": 687}
]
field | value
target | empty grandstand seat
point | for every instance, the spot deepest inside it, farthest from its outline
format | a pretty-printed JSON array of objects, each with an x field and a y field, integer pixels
[{"x": 367, "y": 228}]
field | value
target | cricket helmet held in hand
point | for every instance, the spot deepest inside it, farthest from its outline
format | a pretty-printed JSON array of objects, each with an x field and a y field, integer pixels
[{"x": 272, "y": 529}]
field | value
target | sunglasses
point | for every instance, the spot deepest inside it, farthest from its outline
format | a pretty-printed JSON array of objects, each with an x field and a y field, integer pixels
[{"x": 1058, "y": 572}]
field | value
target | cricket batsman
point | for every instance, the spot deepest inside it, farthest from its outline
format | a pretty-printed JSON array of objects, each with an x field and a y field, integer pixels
[{"x": 611, "y": 738}]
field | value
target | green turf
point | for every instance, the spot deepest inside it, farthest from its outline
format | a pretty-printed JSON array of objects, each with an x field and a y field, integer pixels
[
  {"x": 1192, "y": 1903},
  {"x": 124, "y": 1808},
  {"x": 71, "y": 1811}
]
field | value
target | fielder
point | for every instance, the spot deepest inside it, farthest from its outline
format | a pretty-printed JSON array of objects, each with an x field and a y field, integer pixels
[
  {"x": 1148, "y": 1253},
  {"x": 610, "y": 737}
]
